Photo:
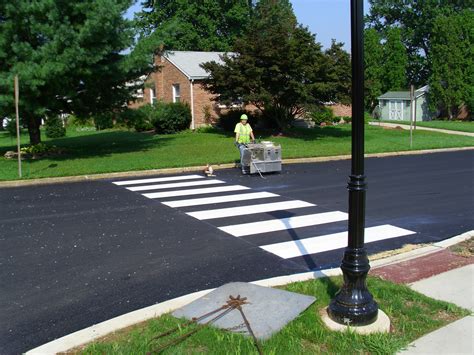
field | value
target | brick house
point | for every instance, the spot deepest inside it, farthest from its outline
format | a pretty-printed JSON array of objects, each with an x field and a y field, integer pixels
[
  {"x": 179, "y": 78},
  {"x": 340, "y": 110}
]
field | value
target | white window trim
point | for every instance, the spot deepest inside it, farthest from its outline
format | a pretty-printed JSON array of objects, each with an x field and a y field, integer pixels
[
  {"x": 152, "y": 95},
  {"x": 176, "y": 92}
]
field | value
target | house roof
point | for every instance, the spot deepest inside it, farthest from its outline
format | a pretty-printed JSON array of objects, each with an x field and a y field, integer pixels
[
  {"x": 190, "y": 62},
  {"x": 395, "y": 95},
  {"x": 403, "y": 95}
]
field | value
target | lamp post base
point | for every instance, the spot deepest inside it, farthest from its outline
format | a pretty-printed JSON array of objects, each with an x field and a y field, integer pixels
[
  {"x": 381, "y": 325},
  {"x": 353, "y": 304}
]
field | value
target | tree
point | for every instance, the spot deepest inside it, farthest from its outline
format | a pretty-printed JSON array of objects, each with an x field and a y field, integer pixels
[
  {"x": 278, "y": 67},
  {"x": 394, "y": 62},
  {"x": 374, "y": 72},
  {"x": 339, "y": 72},
  {"x": 452, "y": 53},
  {"x": 415, "y": 19},
  {"x": 205, "y": 25},
  {"x": 68, "y": 56}
]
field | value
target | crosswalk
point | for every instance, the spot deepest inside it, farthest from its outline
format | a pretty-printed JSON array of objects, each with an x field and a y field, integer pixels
[{"x": 292, "y": 226}]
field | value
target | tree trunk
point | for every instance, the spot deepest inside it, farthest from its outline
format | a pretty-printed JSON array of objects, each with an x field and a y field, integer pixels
[{"x": 34, "y": 130}]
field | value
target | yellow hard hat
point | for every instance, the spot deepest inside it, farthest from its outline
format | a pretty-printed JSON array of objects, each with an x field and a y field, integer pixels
[{"x": 244, "y": 117}]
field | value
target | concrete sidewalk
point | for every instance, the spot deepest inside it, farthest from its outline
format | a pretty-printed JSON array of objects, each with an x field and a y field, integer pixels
[
  {"x": 407, "y": 127},
  {"x": 454, "y": 286},
  {"x": 444, "y": 276}
]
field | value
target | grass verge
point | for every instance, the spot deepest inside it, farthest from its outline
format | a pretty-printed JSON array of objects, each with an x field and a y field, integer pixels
[
  {"x": 91, "y": 152},
  {"x": 412, "y": 315},
  {"x": 465, "y": 248},
  {"x": 462, "y": 126}
]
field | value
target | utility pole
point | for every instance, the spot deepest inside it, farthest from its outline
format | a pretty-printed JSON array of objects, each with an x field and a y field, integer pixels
[
  {"x": 17, "y": 94},
  {"x": 411, "y": 115}
]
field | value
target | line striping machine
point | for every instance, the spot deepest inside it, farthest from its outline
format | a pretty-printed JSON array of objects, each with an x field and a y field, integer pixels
[{"x": 263, "y": 157}]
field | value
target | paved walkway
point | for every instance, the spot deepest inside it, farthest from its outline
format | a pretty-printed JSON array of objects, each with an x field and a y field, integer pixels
[
  {"x": 447, "y": 277},
  {"x": 454, "y": 286},
  {"x": 407, "y": 127}
]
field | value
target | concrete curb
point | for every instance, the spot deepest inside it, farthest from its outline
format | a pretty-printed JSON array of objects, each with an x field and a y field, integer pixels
[
  {"x": 407, "y": 127},
  {"x": 117, "y": 175},
  {"x": 99, "y": 330}
]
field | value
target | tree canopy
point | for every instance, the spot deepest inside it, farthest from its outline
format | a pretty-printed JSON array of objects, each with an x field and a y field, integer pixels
[
  {"x": 278, "y": 65},
  {"x": 205, "y": 25},
  {"x": 374, "y": 71},
  {"x": 437, "y": 38},
  {"x": 338, "y": 73},
  {"x": 415, "y": 19},
  {"x": 394, "y": 62},
  {"x": 452, "y": 53},
  {"x": 69, "y": 57}
]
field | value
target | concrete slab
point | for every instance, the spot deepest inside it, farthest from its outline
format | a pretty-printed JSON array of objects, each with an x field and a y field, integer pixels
[
  {"x": 455, "y": 286},
  {"x": 381, "y": 325},
  {"x": 268, "y": 310},
  {"x": 455, "y": 338}
]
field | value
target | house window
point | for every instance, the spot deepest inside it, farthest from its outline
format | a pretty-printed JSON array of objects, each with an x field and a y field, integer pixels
[
  {"x": 176, "y": 93},
  {"x": 152, "y": 96},
  {"x": 236, "y": 103}
]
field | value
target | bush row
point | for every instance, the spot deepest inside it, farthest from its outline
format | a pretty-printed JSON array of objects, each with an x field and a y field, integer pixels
[
  {"x": 322, "y": 114},
  {"x": 164, "y": 118}
]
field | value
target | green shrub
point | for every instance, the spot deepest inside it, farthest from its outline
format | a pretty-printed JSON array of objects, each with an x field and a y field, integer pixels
[
  {"x": 347, "y": 119},
  {"x": 54, "y": 127},
  {"x": 40, "y": 150},
  {"x": 134, "y": 118},
  {"x": 171, "y": 117},
  {"x": 104, "y": 120},
  {"x": 367, "y": 117},
  {"x": 142, "y": 118},
  {"x": 322, "y": 114},
  {"x": 80, "y": 121}
]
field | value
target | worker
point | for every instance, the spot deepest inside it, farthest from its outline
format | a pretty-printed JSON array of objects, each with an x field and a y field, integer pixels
[{"x": 243, "y": 136}]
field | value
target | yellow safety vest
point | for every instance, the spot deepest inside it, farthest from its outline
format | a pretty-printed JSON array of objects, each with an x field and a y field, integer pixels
[{"x": 244, "y": 132}]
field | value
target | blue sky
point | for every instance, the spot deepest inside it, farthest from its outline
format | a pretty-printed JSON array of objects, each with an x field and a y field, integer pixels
[{"x": 326, "y": 18}]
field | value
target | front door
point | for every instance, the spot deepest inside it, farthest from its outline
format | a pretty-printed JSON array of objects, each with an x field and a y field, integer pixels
[{"x": 395, "y": 110}]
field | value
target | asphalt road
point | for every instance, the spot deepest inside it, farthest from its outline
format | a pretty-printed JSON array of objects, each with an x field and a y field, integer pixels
[{"x": 72, "y": 255}]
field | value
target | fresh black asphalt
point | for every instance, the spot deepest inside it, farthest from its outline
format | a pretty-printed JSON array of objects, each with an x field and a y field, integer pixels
[{"x": 75, "y": 254}]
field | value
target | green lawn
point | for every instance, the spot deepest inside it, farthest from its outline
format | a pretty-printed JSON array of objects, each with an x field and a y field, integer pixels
[
  {"x": 92, "y": 152},
  {"x": 463, "y": 126},
  {"x": 411, "y": 314}
]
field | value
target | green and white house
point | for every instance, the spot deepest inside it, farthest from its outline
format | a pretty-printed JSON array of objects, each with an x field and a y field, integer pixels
[{"x": 396, "y": 105}]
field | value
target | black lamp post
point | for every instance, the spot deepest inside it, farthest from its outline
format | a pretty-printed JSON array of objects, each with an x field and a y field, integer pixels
[{"x": 354, "y": 304}]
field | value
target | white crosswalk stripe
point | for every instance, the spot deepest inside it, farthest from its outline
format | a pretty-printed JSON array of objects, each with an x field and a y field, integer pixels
[
  {"x": 246, "y": 210},
  {"x": 161, "y": 179},
  {"x": 202, "y": 191},
  {"x": 313, "y": 245},
  {"x": 219, "y": 199},
  {"x": 240, "y": 230},
  {"x": 174, "y": 185},
  {"x": 182, "y": 186}
]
